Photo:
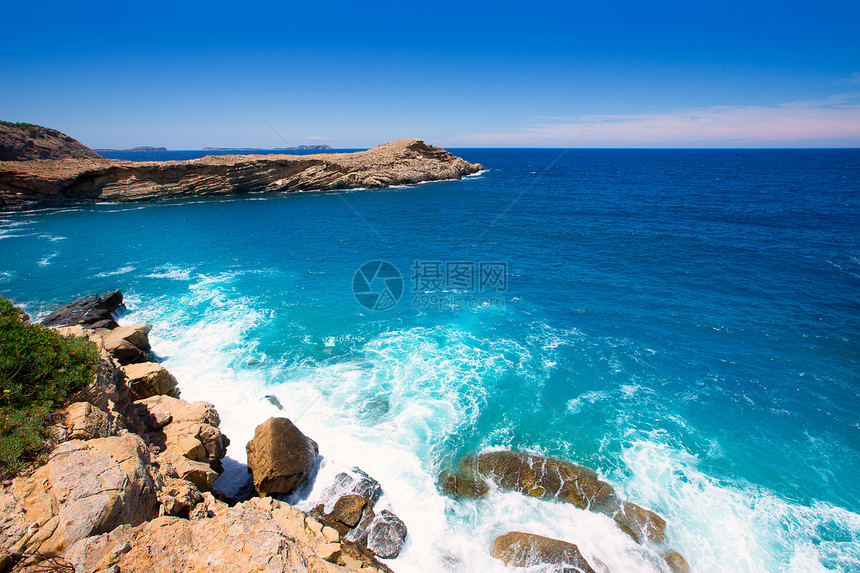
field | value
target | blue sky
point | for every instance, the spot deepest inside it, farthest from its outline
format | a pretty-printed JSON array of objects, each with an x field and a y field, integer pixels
[{"x": 652, "y": 74}]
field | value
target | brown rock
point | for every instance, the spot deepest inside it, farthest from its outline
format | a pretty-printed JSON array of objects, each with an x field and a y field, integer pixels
[
  {"x": 348, "y": 509},
  {"x": 460, "y": 487},
  {"x": 32, "y": 184},
  {"x": 519, "y": 549},
  {"x": 25, "y": 142},
  {"x": 280, "y": 456},
  {"x": 137, "y": 335},
  {"x": 676, "y": 563},
  {"x": 639, "y": 523},
  {"x": 544, "y": 478},
  {"x": 85, "y": 422},
  {"x": 147, "y": 379}
]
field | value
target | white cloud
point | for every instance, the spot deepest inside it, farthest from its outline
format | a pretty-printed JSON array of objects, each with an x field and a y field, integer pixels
[{"x": 831, "y": 121}]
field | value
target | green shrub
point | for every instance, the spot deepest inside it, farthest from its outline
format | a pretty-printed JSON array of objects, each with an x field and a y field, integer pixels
[{"x": 39, "y": 371}]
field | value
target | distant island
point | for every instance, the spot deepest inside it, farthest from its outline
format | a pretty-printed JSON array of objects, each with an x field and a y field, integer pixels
[
  {"x": 298, "y": 148},
  {"x": 141, "y": 148}
]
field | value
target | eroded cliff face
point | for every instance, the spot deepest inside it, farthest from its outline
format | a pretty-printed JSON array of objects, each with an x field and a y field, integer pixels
[{"x": 46, "y": 183}]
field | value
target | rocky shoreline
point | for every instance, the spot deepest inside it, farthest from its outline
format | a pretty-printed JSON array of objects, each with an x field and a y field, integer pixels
[
  {"x": 43, "y": 183},
  {"x": 128, "y": 486}
]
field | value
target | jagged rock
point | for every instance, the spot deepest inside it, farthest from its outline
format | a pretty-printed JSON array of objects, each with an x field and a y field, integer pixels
[
  {"x": 243, "y": 539},
  {"x": 676, "y": 563},
  {"x": 147, "y": 379},
  {"x": 461, "y": 487},
  {"x": 86, "y": 311},
  {"x": 136, "y": 334},
  {"x": 35, "y": 184},
  {"x": 280, "y": 456},
  {"x": 639, "y": 523},
  {"x": 85, "y": 422},
  {"x": 124, "y": 351},
  {"x": 355, "y": 482},
  {"x": 179, "y": 497},
  {"x": 537, "y": 476},
  {"x": 191, "y": 427},
  {"x": 519, "y": 549},
  {"x": 386, "y": 535},
  {"x": 85, "y": 488}
]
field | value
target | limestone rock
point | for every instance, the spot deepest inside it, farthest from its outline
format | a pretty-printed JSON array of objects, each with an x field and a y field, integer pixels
[
  {"x": 85, "y": 488},
  {"x": 519, "y": 549},
  {"x": 280, "y": 456},
  {"x": 537, "y": 476},
  {"x": 461, "y": 487},
  {"x": 34, "y": 184},
  {"x": 147, "y": 379},
  {"x": 386, "y": 535},
  {"x": 243, "y": 539},
  {"x": 192, "y": 430},
  {"x": 85, "y": 422}
]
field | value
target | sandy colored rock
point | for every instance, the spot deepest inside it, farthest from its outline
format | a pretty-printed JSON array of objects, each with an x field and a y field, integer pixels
[
  {"x": 519, "y": 549},
  {"x": 192, "y": 427},
  {"x": 33, "y": 184},
  {"x": 241, "y": 540},
  {"x": 280, "y": 456},
  {"x": 147, "y": 379},
  {"x": 85, "y": 488},
  {"x": 85, "y": 422}
]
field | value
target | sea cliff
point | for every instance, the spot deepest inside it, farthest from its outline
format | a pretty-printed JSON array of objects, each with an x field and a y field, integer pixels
[{"x": 50, "y": 183}]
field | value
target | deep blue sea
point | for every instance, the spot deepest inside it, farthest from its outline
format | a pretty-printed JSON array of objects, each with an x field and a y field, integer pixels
[{"x": 686, "y": 322}]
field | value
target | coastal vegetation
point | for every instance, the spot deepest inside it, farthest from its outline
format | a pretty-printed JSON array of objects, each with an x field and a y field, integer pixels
[{"x": 39, "y": 371}]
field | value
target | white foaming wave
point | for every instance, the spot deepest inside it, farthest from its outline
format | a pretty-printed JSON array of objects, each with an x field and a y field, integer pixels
[
  {"x": 119, "y": 271},
  {"x": 728, "y": 526},
  {"x": 172, "y": 272},
  {"x": 46, "y": 260}
]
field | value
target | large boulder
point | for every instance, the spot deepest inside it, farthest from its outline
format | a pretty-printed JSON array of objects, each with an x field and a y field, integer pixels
[
  {"x": 146, "y": 379},
  {"x": 676, "y": 563},
  {"x": 280, "y": 457},
  {"x": 86, "y": 488},
  {"x": 91, "y": 311},
  {"x": 128, "y": 344},
  {"x": 537, "y": 476},
  {"x": 242, "y": 539},
  {"x": 639, "y": 523},
  {"x": 186, "y": 435},
  {"x": 519, "y": 549}
]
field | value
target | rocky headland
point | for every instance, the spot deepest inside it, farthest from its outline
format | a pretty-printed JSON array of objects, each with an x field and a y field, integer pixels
[
  {"x": 27, "y": 142},
  {"x": 79, "y": 180}
]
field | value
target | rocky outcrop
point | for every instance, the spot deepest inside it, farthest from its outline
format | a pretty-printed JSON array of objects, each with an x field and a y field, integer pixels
[
  {"x": 519, "y": 549},
  {"x": 460, "y": 487},
  {"x": 280, "y": 457},
  {"x": 25, "y": 142},
  {"x": 148, "y": 379},
  {"x": 86, "y": 488},
  {"x": 35, "y": 184},
  {"x": 90, "y": 311},
  {"x": 186, "y": 437}
]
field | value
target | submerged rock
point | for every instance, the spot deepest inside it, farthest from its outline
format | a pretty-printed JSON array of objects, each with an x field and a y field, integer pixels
[
  {"x": 537, "y": 476},
  {"x": 462, "y": 487},
  {"x": 676, "y": 563},
  {"x": 519, "y": 549},
  {"x": 639, "y": 523},
  {"x": 280, "y": 457}
]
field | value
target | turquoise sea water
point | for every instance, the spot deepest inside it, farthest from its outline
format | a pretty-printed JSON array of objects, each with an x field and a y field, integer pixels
[{"x": 686, "y": 322}]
